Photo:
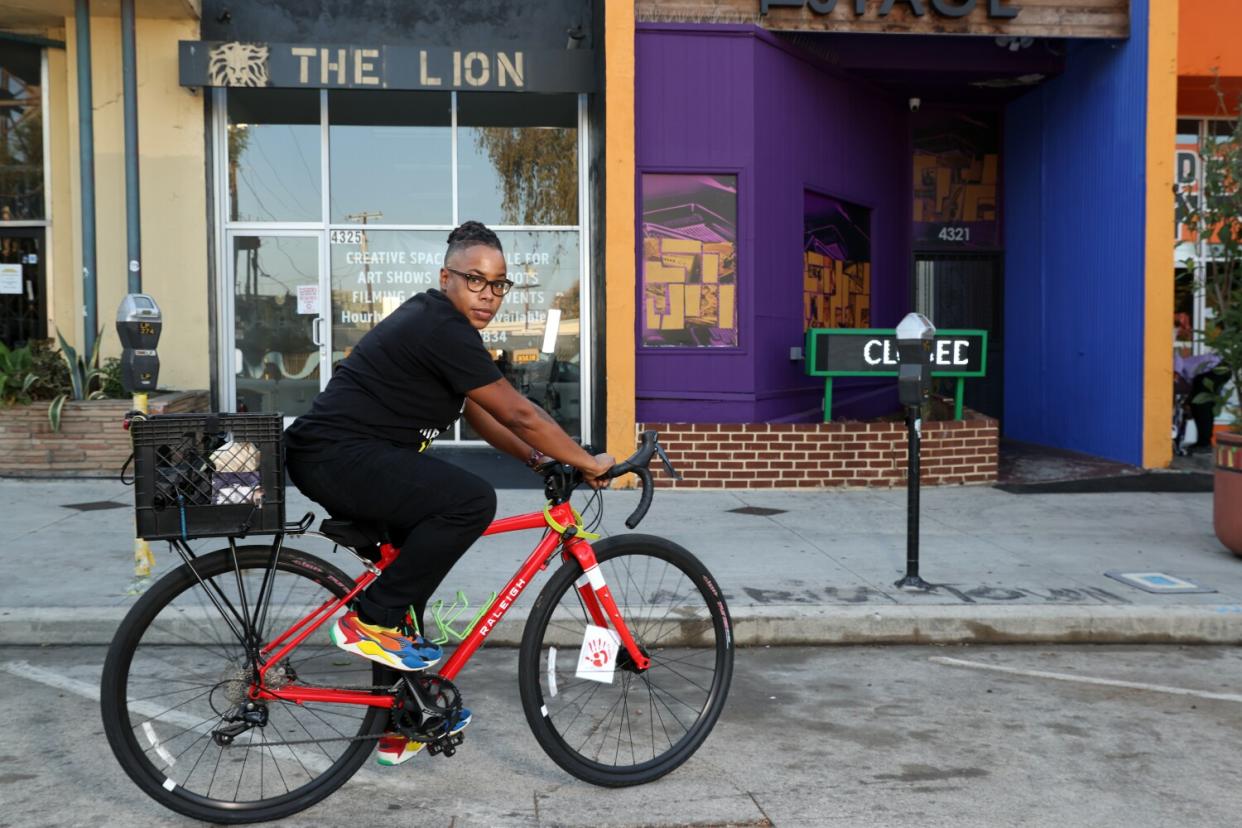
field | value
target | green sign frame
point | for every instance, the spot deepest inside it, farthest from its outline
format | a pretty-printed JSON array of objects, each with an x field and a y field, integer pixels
[{"x": 815, "y": 335}]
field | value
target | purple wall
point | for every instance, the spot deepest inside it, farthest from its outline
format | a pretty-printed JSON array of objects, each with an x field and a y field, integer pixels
[{"x": 735, "y": 99}]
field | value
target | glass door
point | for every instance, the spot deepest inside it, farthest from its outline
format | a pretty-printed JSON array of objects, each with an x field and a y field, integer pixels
[{"x": 278, "y": 311}]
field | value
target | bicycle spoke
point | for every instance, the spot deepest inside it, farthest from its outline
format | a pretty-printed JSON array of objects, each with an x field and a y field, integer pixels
[
  {"x": 598, "y": 727},
  {"x": 188, "y": 671},
  {"x": 685, "y": 678},
  {"x": 272, "y": 752}
]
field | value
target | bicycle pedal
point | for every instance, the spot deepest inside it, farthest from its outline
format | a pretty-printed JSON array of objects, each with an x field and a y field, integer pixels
[{"x": 446, "y": 745}]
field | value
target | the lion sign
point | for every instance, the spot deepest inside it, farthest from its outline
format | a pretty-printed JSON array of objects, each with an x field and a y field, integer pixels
[{"x": 238, "y": 64}]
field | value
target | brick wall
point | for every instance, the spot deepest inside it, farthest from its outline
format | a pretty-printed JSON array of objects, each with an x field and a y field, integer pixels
[
  {"x": 91, "y": 441},
  {"x": 814, "y": 455}
]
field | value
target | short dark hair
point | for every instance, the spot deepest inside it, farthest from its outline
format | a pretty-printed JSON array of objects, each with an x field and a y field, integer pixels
[{"x": 468, "y": 234}]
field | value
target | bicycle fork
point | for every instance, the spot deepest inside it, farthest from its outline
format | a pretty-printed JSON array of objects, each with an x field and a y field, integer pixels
[{"x": 597, "y": 598}]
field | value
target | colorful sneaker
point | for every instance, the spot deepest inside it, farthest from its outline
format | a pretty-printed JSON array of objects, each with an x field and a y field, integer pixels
[
  {"x": 384, "y": 645},
  {"x": 395, "y": 749}
]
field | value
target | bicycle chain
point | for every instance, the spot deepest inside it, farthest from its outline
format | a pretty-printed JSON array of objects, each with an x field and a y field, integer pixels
[{"x": 266, "y": 744}]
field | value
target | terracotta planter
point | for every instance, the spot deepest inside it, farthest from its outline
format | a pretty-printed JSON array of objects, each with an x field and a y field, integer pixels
[{"x": 1227, "y": 505}]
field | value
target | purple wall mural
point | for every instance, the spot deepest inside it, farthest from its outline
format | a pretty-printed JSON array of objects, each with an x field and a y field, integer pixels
[
  {"x": 956, "y": 179},
  {"x": 735, "y": 100},
  {"x": 689, "y": 261},
  {"x": 836, "y": 263}
]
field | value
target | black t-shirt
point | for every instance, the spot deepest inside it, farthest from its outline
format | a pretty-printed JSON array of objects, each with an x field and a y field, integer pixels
[{"x": 404, "y": 383}]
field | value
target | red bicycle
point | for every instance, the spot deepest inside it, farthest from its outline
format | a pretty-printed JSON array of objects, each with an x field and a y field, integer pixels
[{"x": 222, "y": 702}]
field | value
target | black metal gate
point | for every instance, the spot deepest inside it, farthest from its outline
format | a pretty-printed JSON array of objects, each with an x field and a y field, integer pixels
[
  {"x": 23, "y": 287},
  {"x": 966, "y": 290}
]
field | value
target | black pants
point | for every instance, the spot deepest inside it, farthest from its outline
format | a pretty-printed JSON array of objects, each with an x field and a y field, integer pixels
[{"x": 433, "y": 512}]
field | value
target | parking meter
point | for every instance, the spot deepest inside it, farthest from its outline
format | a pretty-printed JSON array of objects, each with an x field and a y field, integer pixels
[
  {"x": 138, "y": 324},
  {"x": 915, "y": 336}
]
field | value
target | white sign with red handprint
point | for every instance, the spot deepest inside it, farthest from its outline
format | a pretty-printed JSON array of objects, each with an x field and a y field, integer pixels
[{"x": 598, "y": 659}]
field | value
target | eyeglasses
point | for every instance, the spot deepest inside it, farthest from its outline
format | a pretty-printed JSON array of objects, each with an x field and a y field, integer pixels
[{"x": 475, "y": 283}]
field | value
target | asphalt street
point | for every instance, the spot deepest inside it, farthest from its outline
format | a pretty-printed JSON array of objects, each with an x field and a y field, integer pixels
[{"x": 812, "y": 736}]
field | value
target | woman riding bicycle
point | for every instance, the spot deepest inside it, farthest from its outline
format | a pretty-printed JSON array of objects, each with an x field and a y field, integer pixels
[{"x": 360, "y": 451}]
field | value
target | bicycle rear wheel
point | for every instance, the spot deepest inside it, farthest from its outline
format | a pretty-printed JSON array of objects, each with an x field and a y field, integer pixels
[
  {"x": 641, "y": 725},
  {"x": 176, "y": 669}
]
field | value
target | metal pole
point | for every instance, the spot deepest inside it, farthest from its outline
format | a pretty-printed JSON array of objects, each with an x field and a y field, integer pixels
[
  {"x": 130, "y": 74},
  {"x": 914, "y": 427},
  {"x": 86, "y": 150},
  {"x": 144, "y": 560}
]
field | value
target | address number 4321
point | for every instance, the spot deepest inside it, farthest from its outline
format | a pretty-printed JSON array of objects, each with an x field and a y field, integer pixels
[{"x": 954, "y": 234}]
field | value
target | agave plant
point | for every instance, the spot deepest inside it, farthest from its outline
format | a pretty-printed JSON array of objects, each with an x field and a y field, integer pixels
[
  {"x": 16, "y": 375},
  {"x": 82, "y": 373}
]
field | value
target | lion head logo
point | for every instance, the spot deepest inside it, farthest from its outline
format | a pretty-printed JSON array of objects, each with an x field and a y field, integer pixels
[{"x": 238, "y": 64}]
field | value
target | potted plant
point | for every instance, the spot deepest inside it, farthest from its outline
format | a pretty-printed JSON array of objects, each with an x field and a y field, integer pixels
[{"x": 1216, "y": 220}]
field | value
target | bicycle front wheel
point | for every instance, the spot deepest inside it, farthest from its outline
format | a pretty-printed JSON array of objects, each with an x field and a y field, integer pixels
[
  {"x": 637, "y": 726},
  {"x": 177, "y": 673}
]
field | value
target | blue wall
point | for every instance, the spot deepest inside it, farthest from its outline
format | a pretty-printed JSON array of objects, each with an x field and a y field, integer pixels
[{"x": 1075, "y": 177}]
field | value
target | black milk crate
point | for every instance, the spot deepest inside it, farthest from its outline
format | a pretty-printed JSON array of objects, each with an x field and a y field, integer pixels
[{"x": 209, "y": 475}]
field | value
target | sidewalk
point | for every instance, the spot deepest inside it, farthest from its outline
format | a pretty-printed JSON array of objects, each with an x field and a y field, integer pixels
[{"x": 1009, "y": 567}]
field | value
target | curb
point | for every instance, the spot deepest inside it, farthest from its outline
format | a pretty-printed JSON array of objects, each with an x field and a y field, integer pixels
[{"x": 790, "y": 625}]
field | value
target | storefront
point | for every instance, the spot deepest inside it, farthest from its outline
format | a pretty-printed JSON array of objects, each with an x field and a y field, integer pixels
[
  {"x": 1209, "y": 92},
  {"x": 838, "y": 165},
  {"x": 683, "y": 188},
  {"x": 338, "y": 171},
  {"x": 23, "y": 193}
]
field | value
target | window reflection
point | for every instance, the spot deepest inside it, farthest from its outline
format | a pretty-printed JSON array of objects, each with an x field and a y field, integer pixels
[
  {"x": 517, "y": 158},
  {"x": 273, "y": 152},
  {"x": 21, "y": 133},
  {"x": 373, "y": 273},
  {"x": 276, "y": 360},
  {"x": 545, "y": 267},
  {"x": 391, "y": 157}
]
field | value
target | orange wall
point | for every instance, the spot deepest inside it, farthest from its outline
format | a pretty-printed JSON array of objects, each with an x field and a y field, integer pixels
[
  {"x": 1208, "y": 41},
  {"x": 1208, "y": 36}
]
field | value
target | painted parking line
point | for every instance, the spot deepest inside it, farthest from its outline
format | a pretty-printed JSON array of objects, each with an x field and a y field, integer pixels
[
  {"x": 1102, "y": 682},
  {"x": 86, "y": 690}
]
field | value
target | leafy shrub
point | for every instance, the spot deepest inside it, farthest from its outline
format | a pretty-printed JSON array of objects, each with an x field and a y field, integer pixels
[
  {"x": 51, "y": 373},
  {"x": 16, "y": 375}
]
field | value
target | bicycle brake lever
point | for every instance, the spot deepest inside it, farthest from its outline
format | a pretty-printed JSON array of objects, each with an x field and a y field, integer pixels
[{"x": 668, "y": 467}]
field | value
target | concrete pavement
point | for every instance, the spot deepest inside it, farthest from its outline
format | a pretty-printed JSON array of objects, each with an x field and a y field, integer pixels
[{"x": 1007, "y": 567}]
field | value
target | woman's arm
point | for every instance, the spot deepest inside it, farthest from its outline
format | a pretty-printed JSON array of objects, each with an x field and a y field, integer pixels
[
  {"x": 531, "y": 425},
  {"x": 496, "y": 434}
]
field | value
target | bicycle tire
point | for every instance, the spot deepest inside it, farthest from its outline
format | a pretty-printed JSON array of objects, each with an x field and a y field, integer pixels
[
  {"x": 176, "y": 609},
  {"x": 678, "y": 615}
]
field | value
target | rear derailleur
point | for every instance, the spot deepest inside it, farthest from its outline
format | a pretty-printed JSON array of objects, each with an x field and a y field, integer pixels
[
  {"x": 246, "y": 716},
  {"x": 426, "y": 710}
]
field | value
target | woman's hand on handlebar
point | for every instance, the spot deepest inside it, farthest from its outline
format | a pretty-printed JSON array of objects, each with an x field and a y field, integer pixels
[{"x": 595, "y": 475}]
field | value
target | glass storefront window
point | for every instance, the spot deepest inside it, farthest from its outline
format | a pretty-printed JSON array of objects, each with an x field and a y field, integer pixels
[
  {"x": 21, "y": 134},
  {"x": 273, "y": 155},
  {"x": 390, "y": 157},
  {"x": 373, "y": 273},
  {"x": 372, "y": 277},
  {"x": 689, "y": 263},
  {"x": 517, "y": 158},
  {"x": 956, "y": 179},
  {"x": 544, "y": 266},
  {"x": 836, "y": 263},
  {"x": 276, "y": 361}
]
